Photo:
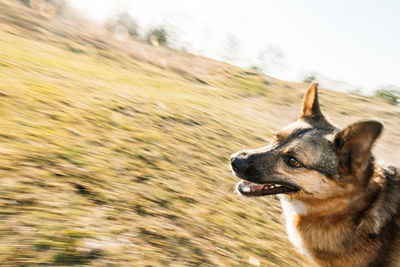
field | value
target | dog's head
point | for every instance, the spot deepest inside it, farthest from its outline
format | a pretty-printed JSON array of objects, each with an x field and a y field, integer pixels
[{"x": 310, "y": 158}]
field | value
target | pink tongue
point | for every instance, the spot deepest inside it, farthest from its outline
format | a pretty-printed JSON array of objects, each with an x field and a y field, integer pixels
[{"x": 251, "y": 188}]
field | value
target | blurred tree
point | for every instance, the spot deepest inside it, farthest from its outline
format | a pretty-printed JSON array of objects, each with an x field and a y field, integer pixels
[
  {"x": 49, "y": 7},
  {"x": 256, "y": 68},
  {"x": 123, "y": 20},
  {"x": 269, "y": 59},
  {"x": 231, "y": 49},
  {"x": 309, "y": 79},
  {"x": 391, "y": 94},
  {"x": 158, "y": 36},
  {"x": 61, "y": 6},
  {"x": 25, "y": 2}
]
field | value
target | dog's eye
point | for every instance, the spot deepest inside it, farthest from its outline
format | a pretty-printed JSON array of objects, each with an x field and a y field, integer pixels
[{"x": 293, "y": 162}]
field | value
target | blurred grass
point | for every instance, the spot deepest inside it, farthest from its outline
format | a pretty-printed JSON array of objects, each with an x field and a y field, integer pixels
[{"x": 117, "y": 154}]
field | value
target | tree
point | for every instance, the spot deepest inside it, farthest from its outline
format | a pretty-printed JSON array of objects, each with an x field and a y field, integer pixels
[
  {"x": 309, "y": 79},
  {"x": 123, "y": 20},
  {"x": 231, "y": 49},
  {"x": 391, "y": 94},
  {"x": 49, "y": 7},
  {"x": 269, "y": 59},
  {"x": 158, "y": 36}
]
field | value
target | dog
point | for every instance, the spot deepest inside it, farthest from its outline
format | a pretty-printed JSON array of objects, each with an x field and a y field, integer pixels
[{"x": 341, "y": 208}]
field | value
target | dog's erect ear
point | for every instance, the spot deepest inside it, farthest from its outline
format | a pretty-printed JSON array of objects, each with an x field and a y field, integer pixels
[
  {"x": 311, "y": 110},
  {"x": 354, "y": 143}
]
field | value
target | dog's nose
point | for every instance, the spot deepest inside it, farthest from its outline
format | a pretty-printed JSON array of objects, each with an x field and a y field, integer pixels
[{"x": 239, "y": 162}]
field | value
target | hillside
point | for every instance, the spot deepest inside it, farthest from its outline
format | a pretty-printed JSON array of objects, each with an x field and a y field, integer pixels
[{"x": 117, "y": 153}]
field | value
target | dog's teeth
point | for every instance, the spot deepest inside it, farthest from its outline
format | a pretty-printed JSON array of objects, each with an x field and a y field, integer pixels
[
  {"x": 272, "y": 187},
  {"x": 246, "y": 189},
  {"x": 278, "y": 185}
]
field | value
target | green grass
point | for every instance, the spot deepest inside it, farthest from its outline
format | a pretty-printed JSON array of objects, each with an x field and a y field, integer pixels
[{"x": 113, "y": 158}]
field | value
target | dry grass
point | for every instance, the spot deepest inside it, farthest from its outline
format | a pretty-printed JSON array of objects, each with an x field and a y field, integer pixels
[{"x": 117, "y": 153}]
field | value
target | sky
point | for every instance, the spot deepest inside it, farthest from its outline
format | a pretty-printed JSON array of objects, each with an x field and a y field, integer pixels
[{"x": 349, "y": 44}]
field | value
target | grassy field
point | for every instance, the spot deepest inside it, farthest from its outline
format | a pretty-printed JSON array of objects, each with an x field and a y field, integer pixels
[{"x": 117, "y": 153}]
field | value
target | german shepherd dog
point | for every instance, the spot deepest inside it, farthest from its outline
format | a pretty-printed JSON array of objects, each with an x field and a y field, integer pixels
[{"x": 341, "y": 208}]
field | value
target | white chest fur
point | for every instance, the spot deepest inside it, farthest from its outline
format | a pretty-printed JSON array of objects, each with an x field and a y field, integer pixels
[{"x": 292, "y": 208}]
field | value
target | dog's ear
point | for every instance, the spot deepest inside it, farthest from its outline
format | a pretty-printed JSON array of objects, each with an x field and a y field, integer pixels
[
  {"x": 353, "y": 145},
  {"x": 310, "y": 109}
]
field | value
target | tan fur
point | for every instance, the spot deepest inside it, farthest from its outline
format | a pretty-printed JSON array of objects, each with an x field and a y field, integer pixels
[{"x": 328, "y": 224}]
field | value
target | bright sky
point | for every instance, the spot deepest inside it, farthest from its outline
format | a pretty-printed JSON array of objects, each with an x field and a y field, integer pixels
[{"x": 354, "y": 41}]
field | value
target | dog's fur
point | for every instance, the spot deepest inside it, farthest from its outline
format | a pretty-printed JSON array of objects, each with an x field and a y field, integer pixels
[{"x": 341, "y": 207}]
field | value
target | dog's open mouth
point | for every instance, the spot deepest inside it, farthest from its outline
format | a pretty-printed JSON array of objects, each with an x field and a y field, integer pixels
[{"x": 254, "y": 190}]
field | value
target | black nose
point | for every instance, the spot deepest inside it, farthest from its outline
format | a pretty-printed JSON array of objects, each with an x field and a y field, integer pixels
[{"x": 239, "y": 162}]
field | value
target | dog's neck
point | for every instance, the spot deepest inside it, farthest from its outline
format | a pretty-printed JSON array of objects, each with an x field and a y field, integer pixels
[
  {"x": 316, "y": 208},
  {"x": 309, "y": 223}
]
